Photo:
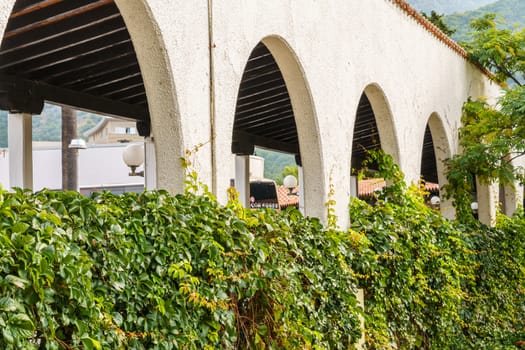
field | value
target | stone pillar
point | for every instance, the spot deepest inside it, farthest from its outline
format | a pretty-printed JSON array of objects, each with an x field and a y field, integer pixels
[
  {"x": 69, "y": 155},
  {"x": 20, "y": 150},
  {"x": 150, "y": 164},
  {"x": 512, "y": 197},
  {"x": 300, "y": 174},
  {"x": 487, "y": 199},
  {"x": 242, "y": 179},
  {"x": 353, "y": 186}
]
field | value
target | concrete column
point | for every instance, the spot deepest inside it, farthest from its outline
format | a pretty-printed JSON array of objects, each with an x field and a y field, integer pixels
[
  {"x": 242, "y": 179},
  {"x": 487, "y": 198},
  {"x": 512, "y": 197},
  {"x": 69, "y": 155},
  {"x": 353, "y": 186},
  {"x": 300, "y": 174},
  {"x": 150, "y": 164},
  {"x": 20, "y": 150}
]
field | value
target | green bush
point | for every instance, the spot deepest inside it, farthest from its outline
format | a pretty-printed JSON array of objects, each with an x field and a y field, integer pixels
[
  {"x": 169, "y": 272},
  {"x": 156, "y": 271},
  {"x": 431, "y": 283}
]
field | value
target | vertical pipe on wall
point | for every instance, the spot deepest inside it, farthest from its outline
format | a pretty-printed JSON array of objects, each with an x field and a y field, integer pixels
[{"x": 211, "y": 46}]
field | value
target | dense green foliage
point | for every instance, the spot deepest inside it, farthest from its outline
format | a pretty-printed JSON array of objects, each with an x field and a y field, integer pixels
[
  {"x": 435, "y": 284},
  {"x": 512, "y": 10},
  {"x": 156, "y": 271},
  {"x": 47, "y": 126},
  {"x": 491, "y": 137}
]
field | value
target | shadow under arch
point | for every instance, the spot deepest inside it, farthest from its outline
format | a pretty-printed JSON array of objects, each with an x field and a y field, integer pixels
[
  {"x": 373, "y": 127},
  {"x": 384, "y": 119},
  {"x": 275, "y": 110},
  {"x": 105, "y": 57},
  {"x": 436, "y": 149}
]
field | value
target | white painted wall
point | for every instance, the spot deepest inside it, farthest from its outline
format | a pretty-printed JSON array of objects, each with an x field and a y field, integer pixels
[
  {"x": 329, "y": 52},
  {"x": 98, "y": 166}
]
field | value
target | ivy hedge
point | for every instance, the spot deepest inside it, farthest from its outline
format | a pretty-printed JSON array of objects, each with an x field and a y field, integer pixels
[
  {"x": 156, "y": 271},
  {"x": 431, "y": 283}
]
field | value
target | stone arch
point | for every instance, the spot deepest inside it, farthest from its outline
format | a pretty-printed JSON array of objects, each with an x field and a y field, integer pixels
[
  {"x": 440, "y": 145},
  {"x": 160, "y": 90},
  {"x": 384, "y": 119},
  {"x": 158, "y": 103},
  {"x": 373, "y": 128},
  {"x": 436, "y": 149},
  {"x": 289, "y": 121}
]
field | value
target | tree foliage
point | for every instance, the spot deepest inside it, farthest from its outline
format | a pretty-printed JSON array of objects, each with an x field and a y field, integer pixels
[
  {"x": 492, "y": 137},
  {"x": 512, "y": 10},
  {"x": 438, "y": 21}
]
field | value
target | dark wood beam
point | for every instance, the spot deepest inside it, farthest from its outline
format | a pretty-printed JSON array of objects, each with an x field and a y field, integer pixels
[
  {"x": 87, "y": 63},
  {"x": 64, "y": 54},
  {"x": 62, "y": 42},
  {"x": 256, "y": 140},
  {"x": 12, "y": 87},
  {"x": 58, "y": 29},
  {"x": 30, "y": 6},
  {"x": 96, "y": 75},
  {"x": 75, "y": 12}
]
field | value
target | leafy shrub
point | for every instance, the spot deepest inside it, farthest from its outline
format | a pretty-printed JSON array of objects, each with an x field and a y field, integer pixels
[
  {"x": 169, "y": 272},
  {"x": 431, "y": 283}
]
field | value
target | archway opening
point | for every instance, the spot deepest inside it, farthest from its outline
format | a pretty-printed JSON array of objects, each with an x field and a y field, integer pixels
[
  {"x": 373, "y": 130},
  {"x": 75, "y": 54},
  {"x": 264, "y": 118},
  {"x": 285, "y": 118},
  {"x": 429, "y": 172},
  {"x": 435, "y": 150}
]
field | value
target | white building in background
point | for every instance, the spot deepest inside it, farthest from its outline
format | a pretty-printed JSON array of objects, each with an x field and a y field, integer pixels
[
  {"x": 113, "y": 130},
  {"x": 100, "y": 167}
]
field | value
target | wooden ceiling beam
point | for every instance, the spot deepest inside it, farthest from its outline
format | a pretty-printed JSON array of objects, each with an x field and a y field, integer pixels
[
  {"x": 63, "y": 42},
  {"x": 240, "y": 137},
  {"x": 98, "y": 44},
  {"x": 69, "y": 14},
  {"x": 96, "y": 74},
  {"x": 91, "y": 62},
  {"x": 58, "y": 29},
  {"x": 12, "y": 86},
  {"x": 32, "y": 7}
]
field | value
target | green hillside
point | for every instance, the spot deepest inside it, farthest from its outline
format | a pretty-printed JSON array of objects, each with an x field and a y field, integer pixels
[
  {"x": 448, "y": 6},
  {"x": 47, "y": 126},
  {"x": 513, "y": 11}
]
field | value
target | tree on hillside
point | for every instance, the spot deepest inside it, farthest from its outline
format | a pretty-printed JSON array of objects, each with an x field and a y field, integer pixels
[
  {"x": 492, "y": 136},
  {"x": 438, "y": 21}
]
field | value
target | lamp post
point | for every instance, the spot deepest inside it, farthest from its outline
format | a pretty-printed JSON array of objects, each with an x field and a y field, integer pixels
[{"x": 133, "y": 156}]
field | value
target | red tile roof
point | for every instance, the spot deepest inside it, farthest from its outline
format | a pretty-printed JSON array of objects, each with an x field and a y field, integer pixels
[
  {"x": 366, "y": 187},
  {"x": 285, "y": 199}
]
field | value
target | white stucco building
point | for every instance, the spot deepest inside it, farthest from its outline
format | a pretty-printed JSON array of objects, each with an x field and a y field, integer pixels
[{"x": 319, "y": 79}]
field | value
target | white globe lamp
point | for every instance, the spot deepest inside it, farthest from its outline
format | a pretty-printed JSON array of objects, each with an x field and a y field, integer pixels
[
  {"x": 133, "y": 156},
  {"x": 290, "y": 182}
]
